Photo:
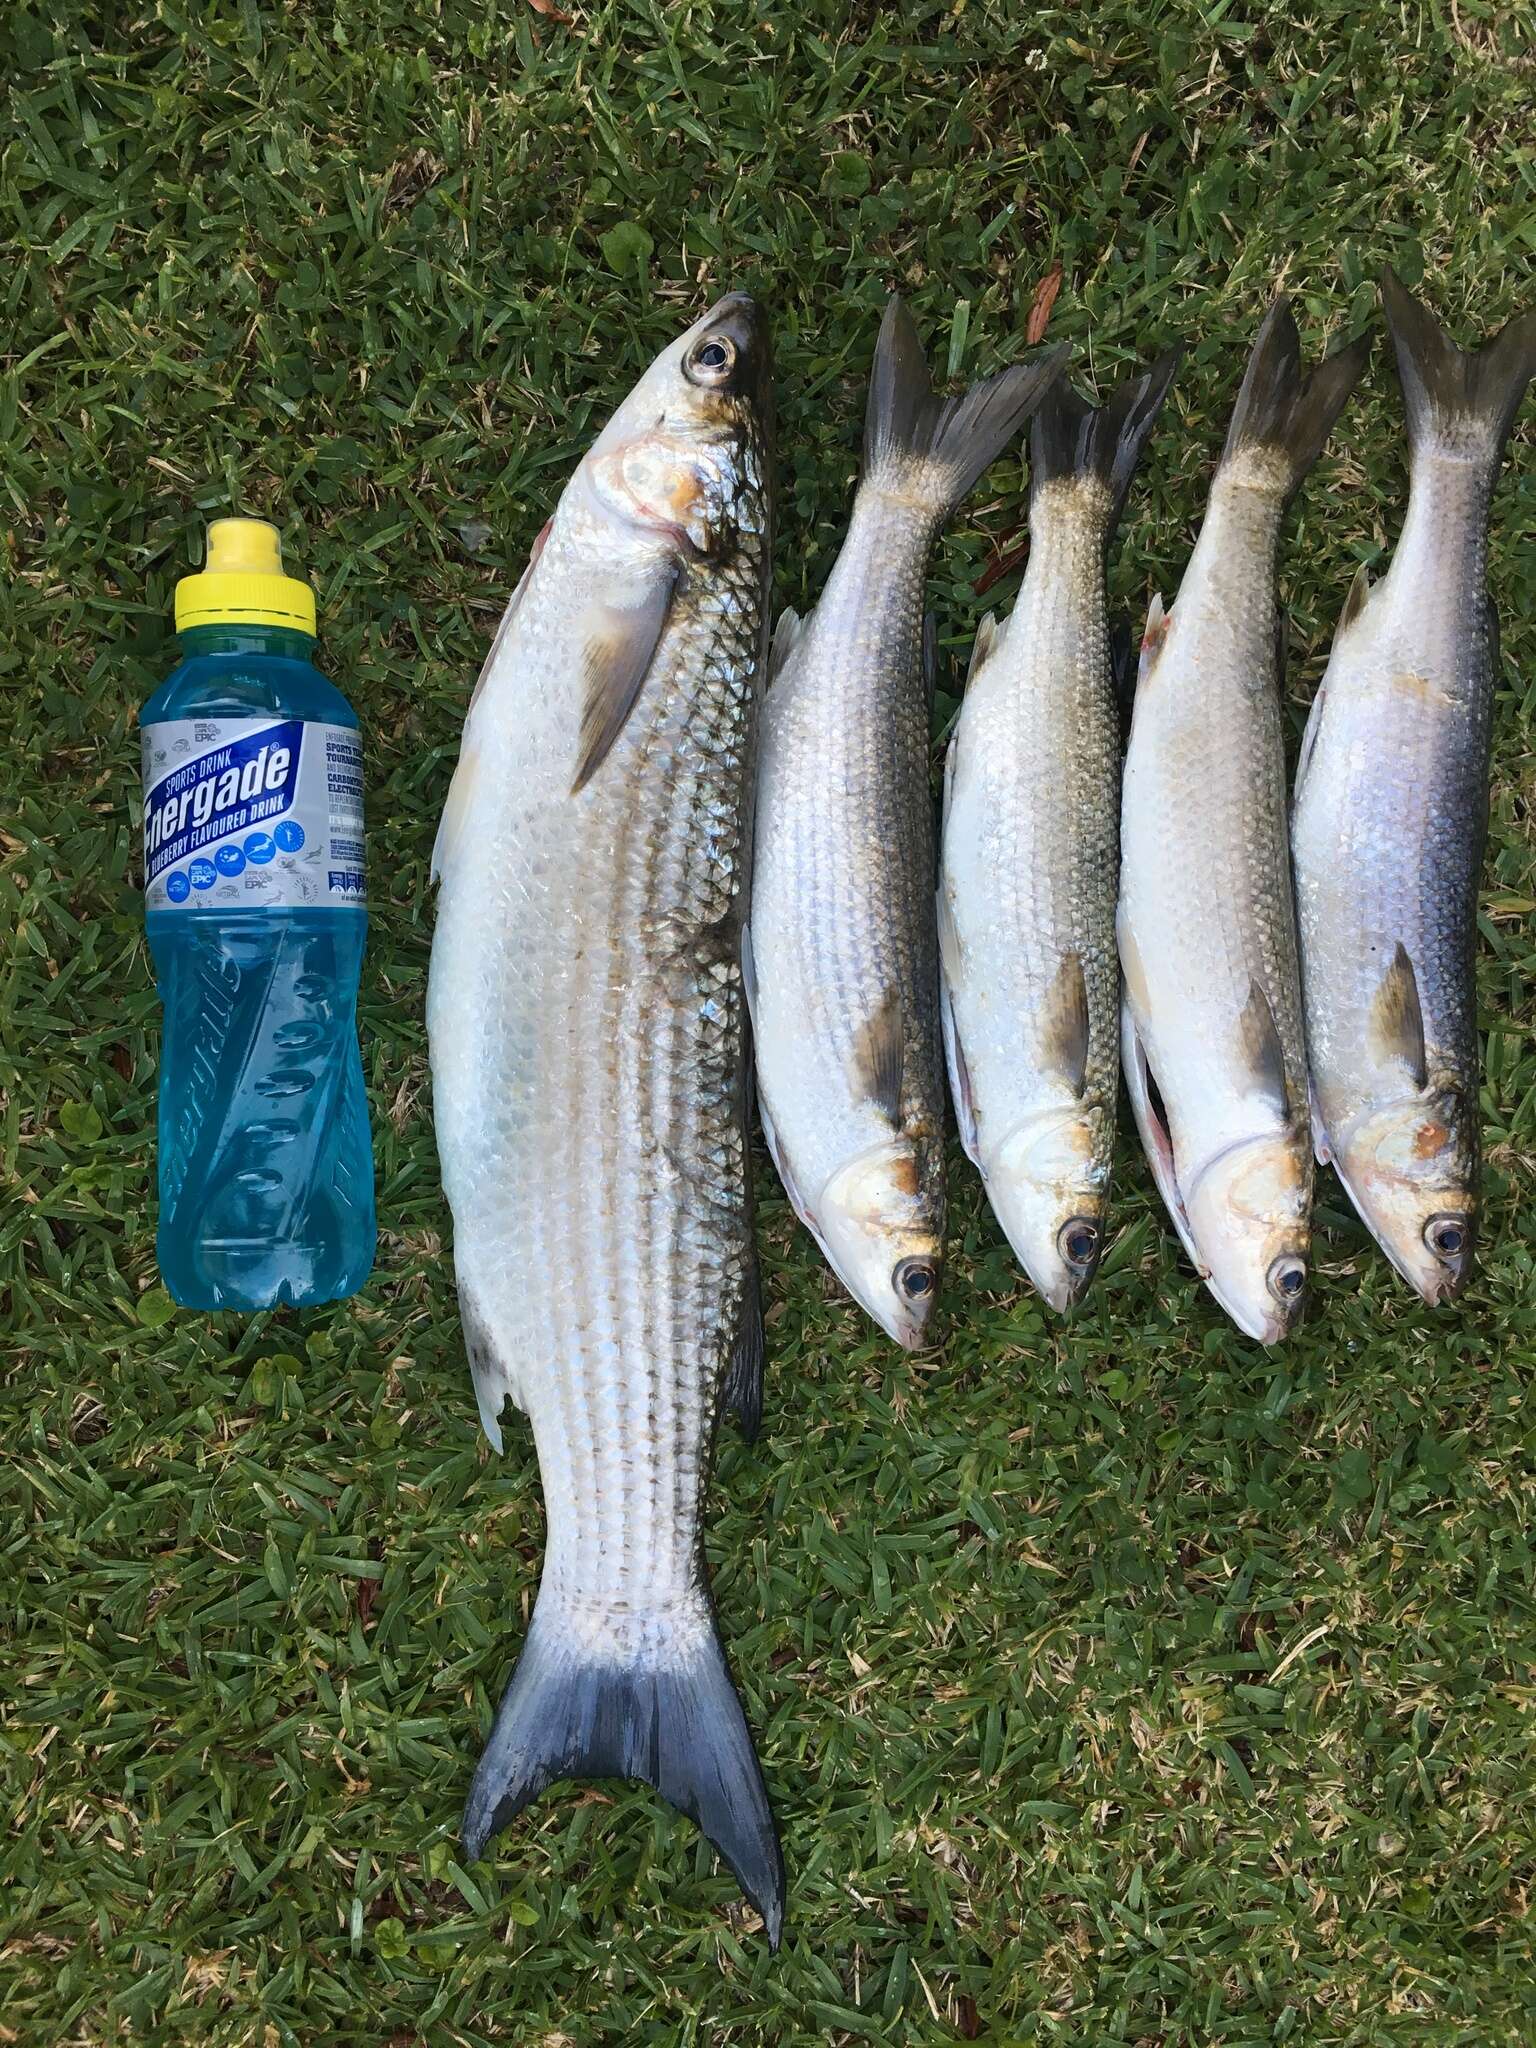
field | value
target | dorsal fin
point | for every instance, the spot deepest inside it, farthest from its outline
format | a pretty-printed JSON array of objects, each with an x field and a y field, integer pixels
[
  {"x": 1153, "y": 639},
  {"x": 1064, "y": 1024},
  {"x": 1262, "y": 1050},
  {"x": 1354, "y": 603},
  {"x": 1395, "y": 1032},
  {"x": 620, "y": 647},
  {"x": 988, "y": 634},
  {"x": 879, "y": 1057},
  {"x": 786, "y": 637}
]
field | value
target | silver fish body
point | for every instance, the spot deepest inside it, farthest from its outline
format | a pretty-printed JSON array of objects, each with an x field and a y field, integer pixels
[
  {"x": 586, "y": 1023},
  {"x": 1214, "y": 1045},
  {"x": 1390, "y": 819},
  {"x": 842, "y": 956},
  {"x": 1029, "y": 873}
]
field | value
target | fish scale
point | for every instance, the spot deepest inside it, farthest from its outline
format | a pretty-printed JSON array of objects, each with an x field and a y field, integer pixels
[{"x": 586, "y": 1019}]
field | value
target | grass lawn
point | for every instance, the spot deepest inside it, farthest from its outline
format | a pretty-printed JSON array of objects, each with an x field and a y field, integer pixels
[{"x": 1116, "y": 1682}]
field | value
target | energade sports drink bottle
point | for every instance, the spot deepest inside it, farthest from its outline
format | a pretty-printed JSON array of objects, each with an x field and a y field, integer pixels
[{"x": 256, "y": 908}]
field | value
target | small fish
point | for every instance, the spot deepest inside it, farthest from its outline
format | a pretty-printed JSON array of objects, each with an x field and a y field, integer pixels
[
  {"x": 1391, "y": 814},
  {"x": 1213, "y": 1045},
  {"x": 589, "y": 1077},
  {"x": 1030, "y": 869},
  {"x": 842, "y": 967}
]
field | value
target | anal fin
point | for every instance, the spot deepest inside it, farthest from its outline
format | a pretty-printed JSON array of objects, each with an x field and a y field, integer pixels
[{"x": 490, "y": 1371}]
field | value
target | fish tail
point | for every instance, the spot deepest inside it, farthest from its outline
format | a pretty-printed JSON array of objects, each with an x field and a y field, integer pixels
[
  {"x": 932, "y": 447},
  {"x": 663, "y": 1710},
  {"x": 1282, "y": 413},
  {"x": 1464, "y": 401},
  {"x": 1070, "y": 438}
]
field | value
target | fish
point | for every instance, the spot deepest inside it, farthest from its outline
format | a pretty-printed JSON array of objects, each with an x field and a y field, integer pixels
[
  {"x": 841, "y": 955},
  {"x": 586, "y": 1027},
  {"x": 1391, "y": 814},
  {"x": 1030, "y": 862},
  {"x": 1212, "y": 1041}
]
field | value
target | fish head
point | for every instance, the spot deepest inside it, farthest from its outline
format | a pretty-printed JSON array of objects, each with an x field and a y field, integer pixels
[
  {"x": 1411, "y": 1170},
  {"x": 1249, "y": 1219},
  {"x": 879, "y": 1229},
  {"x": 1048, "y": 1184},
  {"x": 683, "y": 459}
]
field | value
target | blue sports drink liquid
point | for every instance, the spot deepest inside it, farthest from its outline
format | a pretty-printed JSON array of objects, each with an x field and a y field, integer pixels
[{"x": 256, "y": 910}]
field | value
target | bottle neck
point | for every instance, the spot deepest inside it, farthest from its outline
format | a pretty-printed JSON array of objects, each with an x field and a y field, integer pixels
[{"x": 240, "y": 636}]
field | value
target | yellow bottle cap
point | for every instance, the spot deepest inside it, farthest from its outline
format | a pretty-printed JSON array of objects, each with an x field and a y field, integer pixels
[{"x": 242, "y": 582}]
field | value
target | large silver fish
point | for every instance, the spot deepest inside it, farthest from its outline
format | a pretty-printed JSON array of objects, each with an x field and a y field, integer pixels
[
  {"x": 1391, "y": 814},
  {"x": 1214, "y": 1053},
  {"x": 586, "y": 1022},
  {"x": 1030, "y": 867},
  {"x": 842, "y": 967}
]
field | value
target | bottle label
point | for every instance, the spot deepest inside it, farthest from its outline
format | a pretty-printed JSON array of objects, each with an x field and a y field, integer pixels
[{"x": 252, "y": 814}]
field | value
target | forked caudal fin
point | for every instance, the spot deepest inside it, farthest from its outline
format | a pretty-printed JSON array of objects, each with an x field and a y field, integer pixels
[
  {"x": 932, "y": 447},
  {"x": 1283, "y": 413},
  {"x": 1463, "y": 401},
  {"x": 1070, "y": 438},
  {"x": 665, "y": 1712}
]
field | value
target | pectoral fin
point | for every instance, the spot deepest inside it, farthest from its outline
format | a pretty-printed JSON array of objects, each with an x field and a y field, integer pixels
[
  {"x": 879, "y": 1057},
  {"x": 1395, "y": 1029},
  {"x": 1064, "y": 1025},
  {"x": 1261, "y": 1052},
  {"x": 620, "y": 647}
]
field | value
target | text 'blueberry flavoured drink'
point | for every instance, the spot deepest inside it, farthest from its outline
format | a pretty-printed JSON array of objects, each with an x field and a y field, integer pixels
[{"x": 256, "y": 908}]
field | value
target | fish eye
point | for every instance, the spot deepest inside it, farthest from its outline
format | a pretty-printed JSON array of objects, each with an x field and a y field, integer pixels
[
  {"x": 713, "y": 360},
  {"x": 1287, "y": 1277},
  {"x": 915, "y": 1279},
  {"x": 1078, "y": 1241},
  {"x": 1446, "y": 1236}
]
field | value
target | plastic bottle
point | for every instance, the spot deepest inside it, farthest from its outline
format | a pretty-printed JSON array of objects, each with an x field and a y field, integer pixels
[{"x": 256, "y": 909}]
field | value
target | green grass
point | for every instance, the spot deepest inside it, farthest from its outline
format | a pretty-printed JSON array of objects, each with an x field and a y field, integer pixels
[{"x": 1115, "y": 1682}]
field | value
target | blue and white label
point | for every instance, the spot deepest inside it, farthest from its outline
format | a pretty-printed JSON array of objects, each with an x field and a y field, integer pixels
[{"x": 252, "y": 813}]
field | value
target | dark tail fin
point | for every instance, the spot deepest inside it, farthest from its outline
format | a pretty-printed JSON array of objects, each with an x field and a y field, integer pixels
[
  {"x": 1281, "y": 411},
  {"x": 939, "y": 446},
  {"x": 1070, "y": 438},
  {"x": 665, "y": 1714},
  {"x": 1461, "y": 400}
]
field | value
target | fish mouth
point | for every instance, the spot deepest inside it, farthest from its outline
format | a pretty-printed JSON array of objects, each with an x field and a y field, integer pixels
[
  {"x": 907, "y": 1327},
  {"x": 1269, "y": 1326}
]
